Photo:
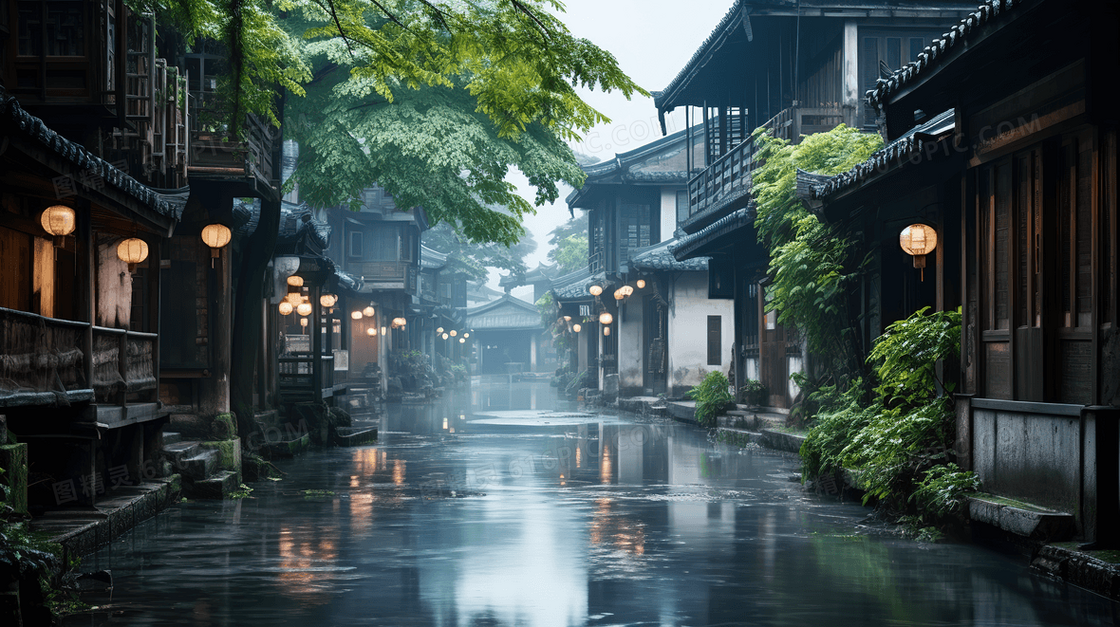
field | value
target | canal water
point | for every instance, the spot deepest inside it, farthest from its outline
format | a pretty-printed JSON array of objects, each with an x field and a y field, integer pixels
[{"x": 502, "y": 506}]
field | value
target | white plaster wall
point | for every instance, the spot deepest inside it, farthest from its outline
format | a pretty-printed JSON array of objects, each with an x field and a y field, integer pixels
[
  {"x": 689, "y": 309},
  {"x": 630, "y": 347},
  {"x": 668, "y": 212}
]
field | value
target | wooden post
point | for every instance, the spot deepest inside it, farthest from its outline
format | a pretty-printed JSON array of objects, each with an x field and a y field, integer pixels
[{"x": 316, "y": 345}]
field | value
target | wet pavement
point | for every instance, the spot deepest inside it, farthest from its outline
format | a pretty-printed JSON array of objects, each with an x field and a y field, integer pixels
[{"x": 502, "y": 506}]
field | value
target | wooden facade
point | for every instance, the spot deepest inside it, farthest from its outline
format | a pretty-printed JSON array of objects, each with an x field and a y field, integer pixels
[
  {"x": 794, "y": 71},
  {"x": 1020, "y": 182}
]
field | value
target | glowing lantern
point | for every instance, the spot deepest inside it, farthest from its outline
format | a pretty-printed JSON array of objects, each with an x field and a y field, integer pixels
[
  {"x": 626, "y": 290},
  {"x": 132, "y": 251},
  {"x": 216, "y": 237},
  {"x": 576, "y": 327},
  {"x": 286, "y": 308},
  {"x": 372, "y": 331},
  {"x": 454, "y": 333},
  {"x": 295, "y": 281},
  {"x": 462, "y": 340},
  {"x": 439, "y": 330},
  {"x": 328, "y": 300},
  {"x": 606, "y": 318},
  {"x": 368, "y": 312},
  {"x": 304, "y": 309},
  {"x": 356, "y": 315},
  {"x": 294, "y": 297},
  {"x": 466, "y": 335},
  {"x": 918, "y": 240},
  {"x": 606, "y": 330},
  {"x": 445, "y": 336},
  {"x": 595, "y": 290},
  {"x": 59, "y": 221},
  {"x": 399, "y": 322},
  {"x": 641, "y": 283}
]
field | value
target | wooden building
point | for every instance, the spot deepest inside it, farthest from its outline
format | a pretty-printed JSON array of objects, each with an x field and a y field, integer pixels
[
  {"x": 795, "y": 69},
  {"x": 1014, "y": 163},
  {"x": 504, "y": 333}
]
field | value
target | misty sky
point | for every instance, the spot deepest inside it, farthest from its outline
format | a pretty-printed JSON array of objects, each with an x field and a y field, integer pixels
[{"x": 652, "y": 40}]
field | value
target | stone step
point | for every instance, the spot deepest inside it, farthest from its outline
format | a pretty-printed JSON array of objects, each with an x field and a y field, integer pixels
[
  {"x": 355, "y": 436},
  {"x": 199, "y": 465},
  {"x": 219, "y": 486},
  {"x": 176, "y": 452},
  {"x": 1024, "y": 519},
  {"x": 285, "y": 448},
  {"x": 171, "y": 437}
]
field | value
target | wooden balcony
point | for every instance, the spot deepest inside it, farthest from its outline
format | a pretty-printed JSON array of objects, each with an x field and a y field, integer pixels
[
  {"x": 792, "y": 123},
  {"x": 44, "y": 362},
  {"x": 724, "y": 186},
  {"x": 387, "y": 275},
  {"x": 298, "y": 378}
]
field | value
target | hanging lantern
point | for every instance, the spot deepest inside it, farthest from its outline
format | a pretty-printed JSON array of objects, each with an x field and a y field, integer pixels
[
  {"x": 328, "y": 300},
  {"x": 445, "y": 336},
  {"x": 576, "y": 327},
  {"x": 303, "y": 322},
  {"x": 619, "y": 294},
  {"x": 606, "y": 318},
  {"x": 606, "y": 330},
  {"x": 286, "y": 308},
  {"x": 454, "y": 332},
  {"x": 368, "y": 311},
  {"x": 304, "y": 309},
  {"x": 439, "y": 330},
  {"x": 400, "y": 322},
  {"x": 295, "y": 281},
  {"x": 641, "y": 283},
  {"x": 466, "y": 335},
  {"x": 567, "y": 318},
  {"x": 595, "y": 290},
  {"x": 372, "y": 331},
  {"x": 918, "y": 240},
  {"x": 356, "y": 315},
  {"x": 132, "y": 251},
  {"x": 216, "y": 237},
  {"x": 626, "y": 290},
  {"x": 382, "y": 330},
  {"x": 294, "y": 297},
  {"x": 462, "y": 340},
  {"x": 59, "y": 221}
]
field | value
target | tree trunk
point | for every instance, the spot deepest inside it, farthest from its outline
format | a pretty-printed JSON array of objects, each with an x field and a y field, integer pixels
[{"x": 256, "y": 252}]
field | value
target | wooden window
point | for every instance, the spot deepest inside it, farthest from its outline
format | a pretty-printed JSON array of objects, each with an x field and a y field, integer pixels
[
  {"x": 356, "y": 244},
  {"x": 385, "y": 244},
  {"x": 634, "y": 229},
  {"x": 715, "y": 332}
]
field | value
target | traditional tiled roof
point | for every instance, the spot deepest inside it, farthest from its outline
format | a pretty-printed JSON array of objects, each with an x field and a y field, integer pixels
[
  {"x": 739, "y": 218},
  {"x": 908, "y": 146},
  {"x": 660, "y": 257},
  {"x": 84, "y": 160},
  {"x": 573, "y": 286},
  {"x": 730, "y": 20},
  {"x": 934, "y": 54},
  {"x": 431, "y": 259},
  {"x": 300, "y": 231}
]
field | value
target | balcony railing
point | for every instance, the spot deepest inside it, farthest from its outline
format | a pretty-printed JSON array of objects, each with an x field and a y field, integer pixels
[
  {"x": 44, "y": 361},
  {"x": 725, "y": 182},
  {"x": 297, "y": 375},
  {"x": 123, "y": 363},
  {"x": 790, "y": 124}
]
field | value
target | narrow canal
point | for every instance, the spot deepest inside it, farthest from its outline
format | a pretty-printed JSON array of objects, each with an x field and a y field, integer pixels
[{"x": 502, "y": 507}]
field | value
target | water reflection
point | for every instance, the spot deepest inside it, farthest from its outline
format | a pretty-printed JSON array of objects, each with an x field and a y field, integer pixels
[{"x": 519, "y": 510}]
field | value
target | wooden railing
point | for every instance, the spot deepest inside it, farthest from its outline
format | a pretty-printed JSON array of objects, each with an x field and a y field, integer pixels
[
  {"x": 41, "y": 357},
  {"x": 724, "y": 182},
  {"x": 297, "y": 374},
  {"x": 123, "y": 363},
  {"x": 790, "y": 124}
]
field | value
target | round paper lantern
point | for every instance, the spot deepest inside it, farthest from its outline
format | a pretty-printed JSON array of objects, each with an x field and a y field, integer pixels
[
  {"x": 444, "y": 336},
  {"x": 295, "y": 281},
  {"x": 918, "y": 240},
  {"x": 641, "y": 283},
  {"x": 595, "y": 290},
  {"x": 462, "y": 340},
  {"x": 286, "y": 308},
  {"x": 58, "y": 220},
  {"x": 216, "y": 236},
  {"x": 304, "y": 309},
  {"x": 328, "y": 300},
  {"x": 400, "y": 322},
  {"x": 132, "y": 251},
  {"x": 368, "y": 312},
  {"x": 356, "y": 315},
  {"x": 454, "y": 333},
  {"x": 606, "y": 330},
  {"x": 606, "y": 318},
  {"x": 576, "y": 327},
  {"x": 439, "y": 330},
  {"x": 372, "y": 331}
]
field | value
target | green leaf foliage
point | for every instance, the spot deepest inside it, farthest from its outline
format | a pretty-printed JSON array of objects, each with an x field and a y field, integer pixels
[
  {"x": 571, "y": 253},
  {"x": 811, "y": 263},
  {"x": 891, "y": 435},
  {"x": 711, "y": 398}
]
